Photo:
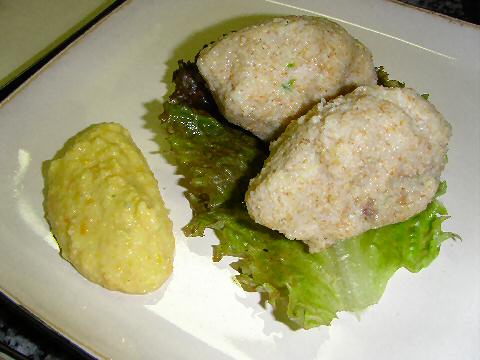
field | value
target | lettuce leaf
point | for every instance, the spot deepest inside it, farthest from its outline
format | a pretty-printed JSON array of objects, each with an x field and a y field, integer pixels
[
  {"x": 384, "y": 80},
  {"x": 306, "y": 290}
]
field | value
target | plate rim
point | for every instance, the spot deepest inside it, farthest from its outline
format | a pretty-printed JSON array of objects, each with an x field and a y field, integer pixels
[{"x": 18, "y": 91}]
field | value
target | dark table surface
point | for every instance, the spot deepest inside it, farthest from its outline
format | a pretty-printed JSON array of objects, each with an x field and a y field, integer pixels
[{"x": 20, "y": 334}]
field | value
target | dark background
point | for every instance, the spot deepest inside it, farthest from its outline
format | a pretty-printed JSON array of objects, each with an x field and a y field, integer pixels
[{"x": 467, "y": 10}]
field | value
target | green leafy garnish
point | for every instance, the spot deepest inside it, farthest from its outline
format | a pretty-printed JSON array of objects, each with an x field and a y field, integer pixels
[
  {"x": 288, "y": 85},
  {"x": 306, "y": 290},
  {"x": 290, "y": 65},
  {"x": 216, "y": 161},
  {"x": 383, "y": 79}
]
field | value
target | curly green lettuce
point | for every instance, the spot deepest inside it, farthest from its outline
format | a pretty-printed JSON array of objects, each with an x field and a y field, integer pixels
[{"x": 306, "y": 290}]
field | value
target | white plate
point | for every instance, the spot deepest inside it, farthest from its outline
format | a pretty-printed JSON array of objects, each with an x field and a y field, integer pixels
[
  {"x": 119, "y": 72},
  {"x": 30, "y": 29}
]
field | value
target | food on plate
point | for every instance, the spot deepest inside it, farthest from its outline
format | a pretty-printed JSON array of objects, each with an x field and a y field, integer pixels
[
  {"x": 359, "y": 162},
  {"x": 216, "y": 161},
  {"x": 106, "y": 212},
  {"x": 263, "y": 76}
]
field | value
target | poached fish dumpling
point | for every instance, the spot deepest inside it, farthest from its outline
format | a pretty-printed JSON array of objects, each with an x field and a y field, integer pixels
[
  {"x": 265, "y": 75},
  {"x": 362, "y": 161}
]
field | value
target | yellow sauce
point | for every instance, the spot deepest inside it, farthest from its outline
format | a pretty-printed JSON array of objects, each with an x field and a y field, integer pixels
[{"x": 106, "y": 212}]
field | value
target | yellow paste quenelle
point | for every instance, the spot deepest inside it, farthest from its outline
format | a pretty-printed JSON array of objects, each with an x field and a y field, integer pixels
[{"x": 106, "y": 212}]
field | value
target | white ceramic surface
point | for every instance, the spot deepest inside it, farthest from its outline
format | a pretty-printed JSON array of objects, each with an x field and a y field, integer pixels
[
  {"x": 29, "y": 29},
  {"x": 120, "y": 72}
]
